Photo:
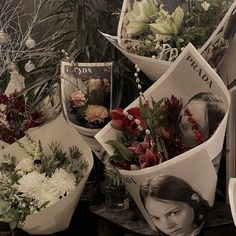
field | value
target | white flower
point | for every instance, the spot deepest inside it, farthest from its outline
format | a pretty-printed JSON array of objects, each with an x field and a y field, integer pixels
[
  {"x": 168, "y": 27},
  {"x": 62, "y": 180},
  {"x": 28, "y": 184},
  {"x": 25, "y": 165},
  {"x": 46, "y": 193},
  {"x": 59, "y": 185},
  {"x": 140, "y": 16},
  {"x": 205, "y": 5}
]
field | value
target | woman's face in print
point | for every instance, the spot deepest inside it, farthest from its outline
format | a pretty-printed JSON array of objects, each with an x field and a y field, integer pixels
[
  {"x": 172, "y": 218},
  {"x": 198, "y": 110}
]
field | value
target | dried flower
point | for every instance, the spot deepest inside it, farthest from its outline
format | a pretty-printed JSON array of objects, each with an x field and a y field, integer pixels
[
  {"x": 96, "y": 114},
  {"x": 78, "y": 98}
]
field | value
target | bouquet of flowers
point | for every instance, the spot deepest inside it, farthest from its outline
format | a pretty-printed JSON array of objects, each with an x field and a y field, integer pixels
[
  {"x": 171, "y": 128},
  {"x": 155, "y": 32},
  {"x": 86, "y": 97},
  {"x": 89, "y": 108},
  {"x": 42, "y": 180},
  {"x": 150, "y": 25},
  {"x": 16, "y": 118}
]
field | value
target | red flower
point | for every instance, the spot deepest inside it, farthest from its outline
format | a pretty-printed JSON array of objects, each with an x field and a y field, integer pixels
[
  {"x": 149, "y": 159},
  {"x": 117, "y": 117},
  {"x": 127, "y": 123},
  {"x": 145, "y": 156}
]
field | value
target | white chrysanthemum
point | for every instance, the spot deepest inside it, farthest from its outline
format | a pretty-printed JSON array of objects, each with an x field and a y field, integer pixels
[
  {"x": 29, "y": 183},
  {"x": 46, "y": 193},
  {"x": 63, "y": 181},
  {"x": 25, "y": 165}
]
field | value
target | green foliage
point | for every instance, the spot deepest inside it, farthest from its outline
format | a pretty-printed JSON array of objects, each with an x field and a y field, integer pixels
[
  {"x": 114, "y": 177},
  {"x": 81, "y": 21},
  {"x": 122, "y": 151}
]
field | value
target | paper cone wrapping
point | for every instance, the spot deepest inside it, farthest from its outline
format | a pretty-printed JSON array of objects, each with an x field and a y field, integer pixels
[
  {"x": 188, "y": 75},
  {"x": 3, "y": 144},
  {"x": 232, "y": 197},
  {"x": 56, "y": 217},
  {"x": 67, "y": 88},
  {"x": 196, "y": 169},
  {"x": 213, "y": 50}
]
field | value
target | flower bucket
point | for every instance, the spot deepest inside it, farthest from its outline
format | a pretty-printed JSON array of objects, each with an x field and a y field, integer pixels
[
  {"x": 56, "y": 217},
  {"x": 212, "y": 50},
  {"x": 190, "y": 74}
]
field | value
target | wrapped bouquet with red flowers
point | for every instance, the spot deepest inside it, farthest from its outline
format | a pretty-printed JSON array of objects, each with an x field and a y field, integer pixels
[
  {"x": 151, "y": 134},
  {"x": 16, "y": 117},
  {"x": 176, "y": 128}
]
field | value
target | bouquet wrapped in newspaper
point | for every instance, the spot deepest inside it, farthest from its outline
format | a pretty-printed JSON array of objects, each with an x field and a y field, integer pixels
[
  {"x": 152, "y": 33},
  {"x": 176, "y": 127},
  {"x": 42, "y": 178},
  {"x": 86, "y": 97}
]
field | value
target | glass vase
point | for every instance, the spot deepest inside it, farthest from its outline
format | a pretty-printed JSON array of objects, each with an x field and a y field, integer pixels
[{"x": 116, "y": 198}]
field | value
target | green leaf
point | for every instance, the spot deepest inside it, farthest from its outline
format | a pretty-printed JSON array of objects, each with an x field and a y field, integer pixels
[{"x": 122, "y": 151}]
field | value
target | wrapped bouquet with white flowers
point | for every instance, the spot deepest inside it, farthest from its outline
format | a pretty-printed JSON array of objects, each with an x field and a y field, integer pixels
[
  {"x": 41, "y": 180},
  {"x": 152, "y": 33}
]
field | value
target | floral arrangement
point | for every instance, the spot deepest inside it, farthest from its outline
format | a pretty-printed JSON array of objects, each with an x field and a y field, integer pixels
[
  {"x": 161, "y": 29},
  {"x": 90, "y": 108},
  {"x": 16, "y": 117},
  {"x": 38, "y": 180},
  {"x": 150, "y": 134},
  {"x": 154, "y": 131}
]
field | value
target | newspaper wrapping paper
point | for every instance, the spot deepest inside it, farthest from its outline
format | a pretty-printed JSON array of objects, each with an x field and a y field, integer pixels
[
  {"x": 154, "y": 68},
  {"x": 232, "y": 197},
  {"x": 56, "y": 217},
  {"x": 188, "y": 75},
  {"x": 66, "y": 90}
]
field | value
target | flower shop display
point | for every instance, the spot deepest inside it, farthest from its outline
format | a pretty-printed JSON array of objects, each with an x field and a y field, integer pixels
[
  {"x": 153, "y": 33},
  {"x": 166, "y": 131},
  {"x": 16, "y": 118},
  {"x": 42, "y": 178},
  {"x": 86, "y": 97}
]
